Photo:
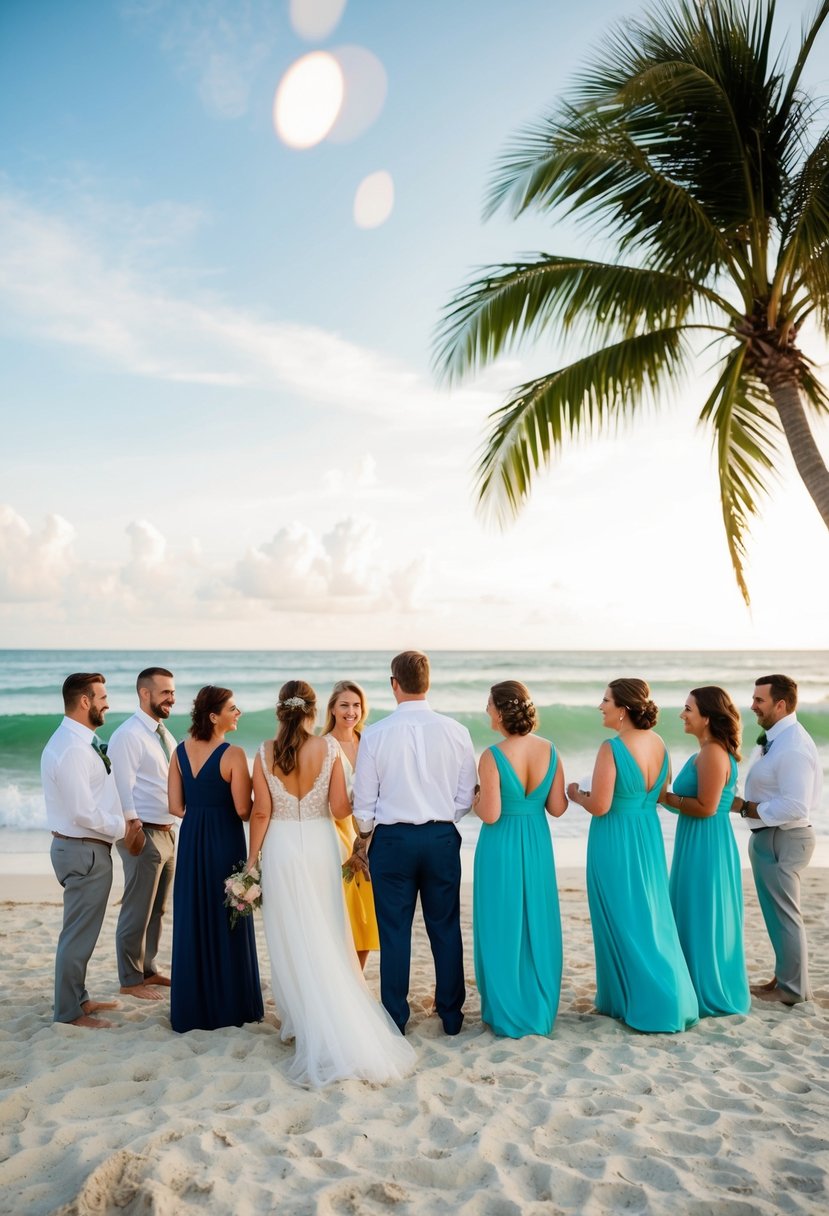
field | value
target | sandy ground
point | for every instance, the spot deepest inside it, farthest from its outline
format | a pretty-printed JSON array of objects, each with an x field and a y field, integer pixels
[{"x": 730, "y": 1118}]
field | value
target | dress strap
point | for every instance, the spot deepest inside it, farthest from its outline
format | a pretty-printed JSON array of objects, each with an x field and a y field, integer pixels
[{"x": 184, "y": 759}]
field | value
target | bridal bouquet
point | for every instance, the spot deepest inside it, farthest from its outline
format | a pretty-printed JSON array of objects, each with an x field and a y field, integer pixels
[{"x": 243, "y": 893}]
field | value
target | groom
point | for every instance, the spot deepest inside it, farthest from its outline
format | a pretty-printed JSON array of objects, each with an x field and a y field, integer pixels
[{"x": 415, "y": 776}]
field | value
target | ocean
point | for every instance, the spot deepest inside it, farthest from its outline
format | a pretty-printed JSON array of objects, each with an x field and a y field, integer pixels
[{"x": 565, "y": 685}]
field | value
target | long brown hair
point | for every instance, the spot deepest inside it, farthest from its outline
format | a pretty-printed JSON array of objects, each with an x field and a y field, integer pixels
[
  {"x": 296, "y": 705},
  {"x": 340, "y": 687},
  {"x": 723, "y": 717}
]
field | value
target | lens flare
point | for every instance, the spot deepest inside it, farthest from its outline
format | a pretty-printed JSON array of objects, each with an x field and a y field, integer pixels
[
  {"x": 308, "y": 100},
  {"x": 374, "y": 200},
  {"x": 366, "y": 85},
  {"x": 315, "y": 18}
]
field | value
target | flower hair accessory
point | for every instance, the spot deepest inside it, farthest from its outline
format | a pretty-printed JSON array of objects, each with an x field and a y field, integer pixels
[
  {"x": 525, "y": 704},
  {"x": 293, "y": 703}
]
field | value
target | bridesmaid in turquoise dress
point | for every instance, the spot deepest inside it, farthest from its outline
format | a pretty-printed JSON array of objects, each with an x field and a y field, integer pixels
[
  {"x": 706, "y": 885},
  {"x": 516, "y": 919},
  {"x": 641, "y": 974}
]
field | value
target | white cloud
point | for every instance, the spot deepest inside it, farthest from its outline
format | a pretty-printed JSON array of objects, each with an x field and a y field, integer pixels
[
  {"x": 352, "y": 482},
  {"x": 343, "y": 569},
  {"x": 33, "y": 565},
  {"x": 59, "y": 284}
]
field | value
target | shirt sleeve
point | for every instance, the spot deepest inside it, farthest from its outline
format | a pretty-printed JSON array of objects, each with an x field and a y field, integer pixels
[
  {"x": 124, "y": 752},
  {"x": 72, "y": 779},
  {"x": 467, "y": 780},
  {"x": 366, "y": 788},
  {"x": 793, "y": 775}
]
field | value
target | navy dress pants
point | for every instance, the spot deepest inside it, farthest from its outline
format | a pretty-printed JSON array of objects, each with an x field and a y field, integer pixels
[{"x": 408, "y": 860}]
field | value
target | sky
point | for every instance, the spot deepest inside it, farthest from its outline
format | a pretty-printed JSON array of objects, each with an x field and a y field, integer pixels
[{"x": 222, "y": 427}]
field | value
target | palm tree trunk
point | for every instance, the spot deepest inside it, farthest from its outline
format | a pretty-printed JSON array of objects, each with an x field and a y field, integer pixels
[{"x": 807, "y": 458}]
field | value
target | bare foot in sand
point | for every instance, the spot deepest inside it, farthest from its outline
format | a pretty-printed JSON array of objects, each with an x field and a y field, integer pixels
[
  {"x": 756, "y": 989},
  {"x": 777, "y": 994},
  {"x": 94, "y": 1006},
  {"x": 91, "y": 1023},
  {"x": 160, "y": 981},
  {"x": 143, "y": 993}
]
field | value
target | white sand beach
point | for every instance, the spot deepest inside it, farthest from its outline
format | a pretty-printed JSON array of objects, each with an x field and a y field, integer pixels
[{"x": 728, "y": 1119}]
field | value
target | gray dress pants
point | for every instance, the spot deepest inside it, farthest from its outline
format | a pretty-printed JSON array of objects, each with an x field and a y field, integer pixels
[
  {"x": 85, "y": 872},
  {"x": 777, "y": 858},
  {"x": 148, "y": 880}
]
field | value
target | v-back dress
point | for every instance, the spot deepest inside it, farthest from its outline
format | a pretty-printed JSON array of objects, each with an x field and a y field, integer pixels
[
  {"x": 359, "y": 898},
  {"x": 319, "y": 989},
  {"x": 215, "y": 974},
  {"x": 707, "y": 898},
  {"x": 516, "y": 918},
  {"x": 641, "y": 973}
]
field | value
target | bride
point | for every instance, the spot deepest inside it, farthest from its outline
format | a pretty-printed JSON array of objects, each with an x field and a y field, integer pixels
[{"x": 322, "y": 998}]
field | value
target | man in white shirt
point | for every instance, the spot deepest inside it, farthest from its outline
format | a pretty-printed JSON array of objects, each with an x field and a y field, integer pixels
[
  {"x": 415, "y": 777},
  {"x": 783, "y": 790},
  {"x": 84, "y": 813},
  {"x": 140, "y": 751}
]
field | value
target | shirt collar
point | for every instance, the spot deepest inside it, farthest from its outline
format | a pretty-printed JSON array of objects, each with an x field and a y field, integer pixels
[
  {"x": 77, "y": 728},
  {"x": 408, "y": 706},
  {"x": 147, "y": 721},
  {"x": 780, "y": 726}
]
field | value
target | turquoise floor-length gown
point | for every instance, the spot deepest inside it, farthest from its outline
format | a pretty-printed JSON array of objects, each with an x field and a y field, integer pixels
[
  {"x": 516, "y": 918},
  {"x": 707, "y": 898},
  {"x": 641, "y": 973}
]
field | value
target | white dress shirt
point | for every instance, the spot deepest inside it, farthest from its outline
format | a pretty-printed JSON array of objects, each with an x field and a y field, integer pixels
[
  {"x": 786, "y": 782},
  {"x": 81, "y": 796},
  {"x": 412, "y": 767},
  {"x": 140, "y": 765}
]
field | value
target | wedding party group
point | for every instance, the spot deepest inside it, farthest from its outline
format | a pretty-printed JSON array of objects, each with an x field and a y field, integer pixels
[{"x": 350, "y": 827}]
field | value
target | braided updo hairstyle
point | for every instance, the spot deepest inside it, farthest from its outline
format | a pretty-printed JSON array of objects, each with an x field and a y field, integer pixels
[
  {"x": 295, "y": 721},
  {"x": 513, "y": 701},
  {"x": 635, "y": 697}
]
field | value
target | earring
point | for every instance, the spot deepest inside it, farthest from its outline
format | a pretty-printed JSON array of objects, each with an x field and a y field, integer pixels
[{"x": 621, "y": 717}]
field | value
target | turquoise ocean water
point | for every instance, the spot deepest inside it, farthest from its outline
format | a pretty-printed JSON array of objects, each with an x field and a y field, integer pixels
[{"x": 566, "y": 686}]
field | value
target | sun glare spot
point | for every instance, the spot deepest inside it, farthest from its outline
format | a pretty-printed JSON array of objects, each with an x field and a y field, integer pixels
[
  {"x": 308, "y": 100},
  {"x": 374, "y": 200},
  {"x": 316, "y": 18},
  {"x": 366, "y": 84}
]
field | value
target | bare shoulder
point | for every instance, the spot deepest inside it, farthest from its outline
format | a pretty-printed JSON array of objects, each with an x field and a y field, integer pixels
[{"x": 540, "y": 745}]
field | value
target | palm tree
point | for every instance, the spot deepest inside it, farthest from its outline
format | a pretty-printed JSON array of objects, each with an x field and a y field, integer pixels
[{"x": 695, "y": 152}]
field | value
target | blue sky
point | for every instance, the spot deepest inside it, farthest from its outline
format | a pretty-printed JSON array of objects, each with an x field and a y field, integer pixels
[{"x": 221, "y": 424}]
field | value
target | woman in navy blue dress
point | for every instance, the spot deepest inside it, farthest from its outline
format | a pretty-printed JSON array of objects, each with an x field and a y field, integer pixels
[{"x": 215, "y": 973}]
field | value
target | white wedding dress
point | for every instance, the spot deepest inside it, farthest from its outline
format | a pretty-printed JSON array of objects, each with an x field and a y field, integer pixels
[{"x": 340, "y": 1030}]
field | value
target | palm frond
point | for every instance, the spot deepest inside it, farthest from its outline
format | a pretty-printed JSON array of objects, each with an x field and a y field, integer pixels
[
  {"x": 814, "y": 391},
  {"x": 595, "y": 170},
  {"x": 518, "y": 301},
  {"x": 803, "y": 260},
  {"x": 607, "y": 385},
  {"x": 745, "y": 434},
  {"x": 810, "y": 33}
]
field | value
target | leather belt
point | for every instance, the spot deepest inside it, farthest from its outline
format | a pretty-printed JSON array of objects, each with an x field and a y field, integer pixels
[
  {"x": 158, "y": 827},
  {"x": 83, "y": 839}
]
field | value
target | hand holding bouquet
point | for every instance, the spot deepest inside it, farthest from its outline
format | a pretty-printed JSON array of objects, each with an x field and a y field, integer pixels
[
  {"x": 242, "y": 893},
  {"x": 357, "y": 863}
]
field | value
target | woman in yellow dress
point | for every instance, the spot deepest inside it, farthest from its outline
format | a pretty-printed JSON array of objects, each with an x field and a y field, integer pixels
[{"x": 346, "y": 715}]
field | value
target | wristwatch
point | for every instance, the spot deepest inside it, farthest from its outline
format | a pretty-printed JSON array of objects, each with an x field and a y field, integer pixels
[{"x": 744, "y": 810}]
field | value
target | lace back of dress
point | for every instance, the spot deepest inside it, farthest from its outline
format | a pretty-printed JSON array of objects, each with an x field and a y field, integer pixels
[{"x": 314, "y": 805}]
